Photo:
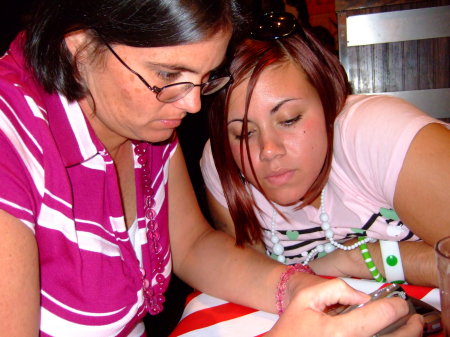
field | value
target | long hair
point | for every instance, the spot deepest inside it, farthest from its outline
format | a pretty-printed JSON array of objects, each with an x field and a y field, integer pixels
[
  {"x": 137, "y": 23},
  {"x": 250, "y": 59}
]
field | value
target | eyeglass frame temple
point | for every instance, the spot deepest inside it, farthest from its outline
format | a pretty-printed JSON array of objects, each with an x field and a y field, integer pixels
[{"x": 155, "y": 89}]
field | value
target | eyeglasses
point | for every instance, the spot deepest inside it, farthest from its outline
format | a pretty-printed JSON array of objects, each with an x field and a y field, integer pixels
[
  {"x": 175, "y": 91},
  {"x": 273, "y": 26}
]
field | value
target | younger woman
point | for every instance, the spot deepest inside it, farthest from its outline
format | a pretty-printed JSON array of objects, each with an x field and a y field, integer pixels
[{"x": 309, "y": 169}]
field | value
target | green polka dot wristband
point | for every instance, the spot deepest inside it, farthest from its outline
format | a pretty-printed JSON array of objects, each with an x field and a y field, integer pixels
[{"x": 392, "y": 261}]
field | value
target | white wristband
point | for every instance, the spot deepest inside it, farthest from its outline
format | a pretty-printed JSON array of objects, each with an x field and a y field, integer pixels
[{"x": 392, "y": 261}]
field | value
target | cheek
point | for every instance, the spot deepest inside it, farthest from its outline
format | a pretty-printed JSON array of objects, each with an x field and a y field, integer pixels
[
  {"x": 115, "y": 88},
  {"x": 317, "y": 142},
  {"x": 309, "y": 144},
  {"x": 315, "y": 131},
  {"x": 125, "y": 89}
]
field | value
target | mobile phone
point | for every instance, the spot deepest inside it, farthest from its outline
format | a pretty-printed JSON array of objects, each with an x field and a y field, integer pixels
[
  {"x": 388, "y": 291},
  {"x": 432, "y": 316},
  {"x": 392, "y": 290}
]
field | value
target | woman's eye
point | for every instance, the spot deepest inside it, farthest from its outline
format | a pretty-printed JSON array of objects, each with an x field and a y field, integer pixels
[
  {"x": 241, "y": 135},
  {"x": 291, "y": 121},
  {"x": 167, "y": 76}
]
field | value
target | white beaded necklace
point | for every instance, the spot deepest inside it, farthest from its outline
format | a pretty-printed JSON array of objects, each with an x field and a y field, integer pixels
[{"x": 328, "y": 247}]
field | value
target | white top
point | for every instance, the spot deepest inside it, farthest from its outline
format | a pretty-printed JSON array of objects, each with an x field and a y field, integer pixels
[{"x": 371, "y": 137}]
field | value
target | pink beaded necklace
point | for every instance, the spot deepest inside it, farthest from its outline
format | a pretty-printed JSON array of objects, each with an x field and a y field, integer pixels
[{"x": 153, "y": 295}]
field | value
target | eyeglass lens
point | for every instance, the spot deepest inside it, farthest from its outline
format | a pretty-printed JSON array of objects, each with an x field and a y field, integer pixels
[
  {"x": 176, "y": 91},
  {"x": 173, "y": 92}
]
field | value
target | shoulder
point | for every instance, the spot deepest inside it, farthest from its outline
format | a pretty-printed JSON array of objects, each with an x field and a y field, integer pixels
[
  {"x": 363, "y": 107},
  {"x": 377, "y": 115},
  {"x": 22, "y": 117},
  {"x": 207, "y": 165},
  {"x": 21, "y": 96},
  {"x": 207, "y": 157},
  {"x": 16, "y": 78},
  {"x": 372, "y": 136}
]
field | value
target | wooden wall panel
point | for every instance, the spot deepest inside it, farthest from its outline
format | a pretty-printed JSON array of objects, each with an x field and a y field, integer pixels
[{"x": 396, "y": 66}]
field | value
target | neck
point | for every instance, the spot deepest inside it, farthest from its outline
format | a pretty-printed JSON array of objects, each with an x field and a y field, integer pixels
[{"x": 110, "y": 140}]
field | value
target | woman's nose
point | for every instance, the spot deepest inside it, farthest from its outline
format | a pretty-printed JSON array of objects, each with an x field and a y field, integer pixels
[
  {"x": 271, "y": 147},
  {"x": 191, "y": 103}
]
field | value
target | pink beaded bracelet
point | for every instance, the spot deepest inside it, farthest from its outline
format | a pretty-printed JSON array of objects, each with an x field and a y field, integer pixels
[{"x": 282, "y": 284}]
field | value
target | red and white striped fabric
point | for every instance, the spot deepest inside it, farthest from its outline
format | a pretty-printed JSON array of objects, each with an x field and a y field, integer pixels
[{"x": 207, "y": 316}]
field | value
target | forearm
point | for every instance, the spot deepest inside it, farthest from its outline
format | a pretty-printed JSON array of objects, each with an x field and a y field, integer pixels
[
  {"x": 417, "y": 257},
  {"x": 240, "y": 275},
  {"x": 210, "y": 261}
]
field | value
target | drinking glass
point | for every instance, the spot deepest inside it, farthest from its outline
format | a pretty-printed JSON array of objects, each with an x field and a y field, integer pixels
[{"x": 443, "y": 264}]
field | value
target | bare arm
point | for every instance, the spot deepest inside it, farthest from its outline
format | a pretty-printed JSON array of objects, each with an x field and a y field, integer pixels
[
  {"x": 209, "y": 261},
  {"x": 422, "y": 194},
  {"x": 418, "y": 259},
  {"x": 19, "y": 280},
  {"x": 421, "y": 200}
]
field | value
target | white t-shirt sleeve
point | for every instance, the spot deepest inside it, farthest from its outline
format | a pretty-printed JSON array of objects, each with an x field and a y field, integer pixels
[
  {"x": 372, "y": 137},
  {"x": 210, "y": 175}
]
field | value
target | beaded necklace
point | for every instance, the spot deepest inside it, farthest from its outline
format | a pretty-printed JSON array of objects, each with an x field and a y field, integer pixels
[
  {"x": 153, "y": 295},
  {"x": 328, "y": 247}
]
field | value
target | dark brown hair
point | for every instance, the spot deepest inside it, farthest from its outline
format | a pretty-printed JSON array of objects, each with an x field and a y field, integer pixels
[
  {"x": 249, "y": 60},
  {"x": 137, "y": 23}
]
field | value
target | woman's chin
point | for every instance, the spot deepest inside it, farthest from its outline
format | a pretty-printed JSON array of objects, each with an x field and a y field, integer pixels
[{"x": 285, "y": 200}]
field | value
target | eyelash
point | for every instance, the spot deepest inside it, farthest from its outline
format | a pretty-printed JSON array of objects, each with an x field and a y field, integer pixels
[
  {"x": 292, "y": 121},
  {"x": 239, "y": 137},
  {"x": 167, "y": 76},
  {"x": 287, "y": 123}
]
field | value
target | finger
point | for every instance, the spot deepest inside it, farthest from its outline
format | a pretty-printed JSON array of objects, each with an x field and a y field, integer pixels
[
  {"x": 377, "y": 315},
  {"x": 334, "y": 292},
  {"x": 412, "y": 328}
]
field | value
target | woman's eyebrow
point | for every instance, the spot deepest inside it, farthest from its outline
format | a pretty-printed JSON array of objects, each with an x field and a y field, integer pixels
[
  {"x": 172, "y": 67},
  {"x": 272, "y": 111},
  {"x": 280, "y": 104},
  {"x": 180, "y": 67}
]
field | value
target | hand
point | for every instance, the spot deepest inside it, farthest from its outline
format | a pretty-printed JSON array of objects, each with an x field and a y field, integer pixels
[{"x": 305, "y": 314}]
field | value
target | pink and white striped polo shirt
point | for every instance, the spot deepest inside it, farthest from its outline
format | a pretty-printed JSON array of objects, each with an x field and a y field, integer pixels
[{"x": 58, "y": 179}]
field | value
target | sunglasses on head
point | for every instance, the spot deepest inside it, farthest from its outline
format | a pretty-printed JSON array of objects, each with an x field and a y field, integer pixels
[{"x": 274, "y": 26}]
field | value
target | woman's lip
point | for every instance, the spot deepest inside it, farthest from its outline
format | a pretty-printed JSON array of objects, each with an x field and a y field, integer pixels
[
  {"x": 280, "y": 177},
  {"x": 171, "y": 123}
]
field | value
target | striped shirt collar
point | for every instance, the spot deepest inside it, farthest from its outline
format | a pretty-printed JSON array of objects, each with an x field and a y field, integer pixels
[{"x": 73, "y": 134}]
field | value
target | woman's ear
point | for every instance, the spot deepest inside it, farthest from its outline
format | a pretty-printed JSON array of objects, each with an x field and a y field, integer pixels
[{"x": 76, "y": 41}]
